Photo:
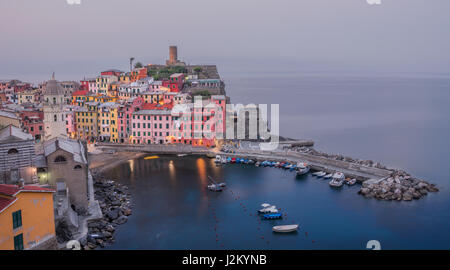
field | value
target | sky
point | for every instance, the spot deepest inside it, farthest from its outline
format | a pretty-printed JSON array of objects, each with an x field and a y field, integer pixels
[{"x": 240, "y": 36}]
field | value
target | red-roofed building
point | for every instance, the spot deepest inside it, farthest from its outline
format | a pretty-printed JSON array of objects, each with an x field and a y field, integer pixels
[{"x": 26, "y": 218}]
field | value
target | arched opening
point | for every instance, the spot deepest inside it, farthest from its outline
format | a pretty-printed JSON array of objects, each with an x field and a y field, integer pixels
[
  {"x": 13, "y": 151},
  {"x": 77, "y": 167},
  {"x": 60, "y": 159}
]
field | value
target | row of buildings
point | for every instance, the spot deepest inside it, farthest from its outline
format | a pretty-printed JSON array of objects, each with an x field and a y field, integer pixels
[{"x": 44, "y": 132}]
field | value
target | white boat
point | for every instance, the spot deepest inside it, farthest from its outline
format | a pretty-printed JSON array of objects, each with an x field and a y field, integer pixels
[
  {"x": 302, "y": 168},
  {"x": 285, "y": 228},
  {"x": 182, "y": 155},
  {"x": 321, "y": 174},
  {"x": 350, "y": 182},
  {"x": 328, "y": 176},
  {"x": 214, "y": 187},
  {"x": 268, "y": 210},
  {"x": 224, "y": 160},
  {"x": 339, "y": 175},
  {"x": 338, "y": 180},
  {"x": 257, "y": 163},
  {"x": 265, "y": 205},
  {"x": 218, "y": 159}
]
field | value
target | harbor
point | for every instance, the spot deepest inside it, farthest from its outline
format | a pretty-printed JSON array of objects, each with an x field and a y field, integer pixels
[
  {"x": 231, "y": 219},
  {"x": 382, "y": 183}
]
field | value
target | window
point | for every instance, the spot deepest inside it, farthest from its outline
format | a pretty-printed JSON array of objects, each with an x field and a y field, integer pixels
[
  {"x": 13, "y": 151},
  {"x": 18, "y": 242},
  {"x": 17, "y": 219},
  {"x": 60, "y": 159},
  {"x": 55, "y": 118},
  {"x": 77, "y": 167}
]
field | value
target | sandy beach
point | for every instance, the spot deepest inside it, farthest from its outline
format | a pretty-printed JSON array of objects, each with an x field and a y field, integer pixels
[{"x": 103, "y": 161}]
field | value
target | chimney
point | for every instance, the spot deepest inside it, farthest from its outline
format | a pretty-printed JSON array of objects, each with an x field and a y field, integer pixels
[{"x": 21, "y": 183}]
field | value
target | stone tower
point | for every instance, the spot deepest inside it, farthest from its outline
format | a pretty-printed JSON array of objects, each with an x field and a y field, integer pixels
[
  {"x": 173, "y": 57},
  {"x": 54, "y": 115}
]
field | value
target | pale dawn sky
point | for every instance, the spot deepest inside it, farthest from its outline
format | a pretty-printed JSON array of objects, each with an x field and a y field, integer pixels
[{"x": 38, "y": 37}]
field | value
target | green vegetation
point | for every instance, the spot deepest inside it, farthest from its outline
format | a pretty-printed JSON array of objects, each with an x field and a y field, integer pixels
[
  {"x": 198, "y": 69},
  {"x": 164, "y": 73},
  {"x": 138, "y": 65},
  {"x": 204, "y": 93}
]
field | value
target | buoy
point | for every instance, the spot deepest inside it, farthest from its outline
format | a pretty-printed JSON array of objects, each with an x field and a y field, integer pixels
[{"x": 306, "y": 233}]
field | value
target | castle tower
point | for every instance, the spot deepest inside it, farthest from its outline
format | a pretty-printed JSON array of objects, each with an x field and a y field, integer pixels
[
  {"x": 54, "y": 115},
  {"x": 173, "y": 54},
  {"x": 173, "y": 57}
]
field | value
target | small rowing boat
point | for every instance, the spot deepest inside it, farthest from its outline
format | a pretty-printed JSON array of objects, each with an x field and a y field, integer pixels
[
  {"x": 285, "y": 228},
  {"x": 321, "y": 174},
  {"x": 328, "y": 176}
]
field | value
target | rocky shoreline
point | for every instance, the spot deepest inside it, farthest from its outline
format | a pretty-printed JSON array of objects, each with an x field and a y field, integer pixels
[
  {"x": 115, "y": 203},
  {"x": 399, "y": 186}
]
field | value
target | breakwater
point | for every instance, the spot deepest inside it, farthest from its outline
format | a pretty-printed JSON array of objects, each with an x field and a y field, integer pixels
[{"x": 384, "y": 183}]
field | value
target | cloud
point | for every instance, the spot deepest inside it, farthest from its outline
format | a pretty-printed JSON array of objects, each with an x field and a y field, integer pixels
[{"x": 374, "y": 2}]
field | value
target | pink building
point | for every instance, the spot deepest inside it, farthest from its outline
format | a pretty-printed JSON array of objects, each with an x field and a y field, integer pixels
[
  {"x": 200, "y": 125},
  {"x": 71, "y": 125},
  {"x": 125, "y": 115},
  {"x": 152, "y": 124}
]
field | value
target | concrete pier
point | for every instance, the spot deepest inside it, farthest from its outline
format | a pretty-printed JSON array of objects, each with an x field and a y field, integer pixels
[{"x": 317, "y": 163}]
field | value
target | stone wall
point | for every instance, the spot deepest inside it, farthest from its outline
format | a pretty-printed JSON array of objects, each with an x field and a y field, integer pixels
[{"x": 75, "y": 179}]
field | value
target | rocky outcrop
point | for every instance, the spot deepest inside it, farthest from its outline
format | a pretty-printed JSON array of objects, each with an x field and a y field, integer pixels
[
  {"x": 115, "y": 202},
  {"x": 400, "y": 186}
]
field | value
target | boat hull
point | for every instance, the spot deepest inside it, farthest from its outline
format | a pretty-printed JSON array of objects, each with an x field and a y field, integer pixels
[{"x": 285, "y": 228}]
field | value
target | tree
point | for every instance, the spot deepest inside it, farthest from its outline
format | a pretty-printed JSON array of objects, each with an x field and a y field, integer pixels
[
  {"x": 138, "y": 65},
  {"x": 198, "y": 69}
]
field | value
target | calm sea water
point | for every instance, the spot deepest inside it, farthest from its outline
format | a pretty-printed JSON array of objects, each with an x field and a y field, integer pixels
[{"x": 402, "y": 122}]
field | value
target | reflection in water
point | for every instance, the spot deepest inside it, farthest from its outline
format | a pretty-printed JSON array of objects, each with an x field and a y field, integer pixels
[
  {"x": 172, "y": 172},
  {"x": 201, "y": 169}
]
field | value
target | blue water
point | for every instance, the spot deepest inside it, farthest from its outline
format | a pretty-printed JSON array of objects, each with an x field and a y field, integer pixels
[{"x": 402, "y": 122}]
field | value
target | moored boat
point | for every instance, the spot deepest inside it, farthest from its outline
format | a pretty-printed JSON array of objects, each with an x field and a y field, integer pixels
[
  {"x": 285, "y": 228},
  {"x": 302, "y": 168},
  {"x": 350, "y": 182},
  {"x": 218, "y": 159},
  {"x": 214, "y": 187},
  {"x": 338, "y": 180},
  {"x": 321, "y": 174},
  {"x": 273, "y": 216},
  {"x": 328, "y": 176},
  {"x": 257, "y": 164},
  {"x": 268, "y": 210}
]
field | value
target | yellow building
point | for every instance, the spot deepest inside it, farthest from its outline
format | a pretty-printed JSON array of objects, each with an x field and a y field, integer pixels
[
  {"x": 107, "y": 122},
  {"x": 26, "y": 97},
  {"x": 104, "y": 82},
  {"x": 26, "y": 218},
  {"x": 87, "y": 121}
]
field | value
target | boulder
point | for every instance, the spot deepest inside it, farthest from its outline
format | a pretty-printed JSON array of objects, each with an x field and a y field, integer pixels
[{"x": 121, "y": 220}]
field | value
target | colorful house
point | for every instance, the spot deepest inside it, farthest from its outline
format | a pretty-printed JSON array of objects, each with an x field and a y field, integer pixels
[
  {"x": 26, "y": 218},
  {"x": 152, "y": 124},
  {"x": 125, "y": 114}
]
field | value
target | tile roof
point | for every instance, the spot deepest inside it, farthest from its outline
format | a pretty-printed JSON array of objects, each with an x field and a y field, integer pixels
[
  {"x": 12, "y": 190},
  {"x": 5, "y": 202},
  {"x": 9, "y": 132}
]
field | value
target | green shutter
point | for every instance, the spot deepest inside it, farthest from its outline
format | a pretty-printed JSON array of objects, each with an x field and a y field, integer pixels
[
  {"x": 17, "y": 219},
  {"x": 18, "y": 242}
]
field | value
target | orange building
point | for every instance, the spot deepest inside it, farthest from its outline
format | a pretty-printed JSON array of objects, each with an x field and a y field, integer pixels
[{"x": 26, "y": 218}]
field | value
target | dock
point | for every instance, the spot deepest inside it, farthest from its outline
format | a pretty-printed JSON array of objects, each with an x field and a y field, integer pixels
[{"x": 317, "y": 163}]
